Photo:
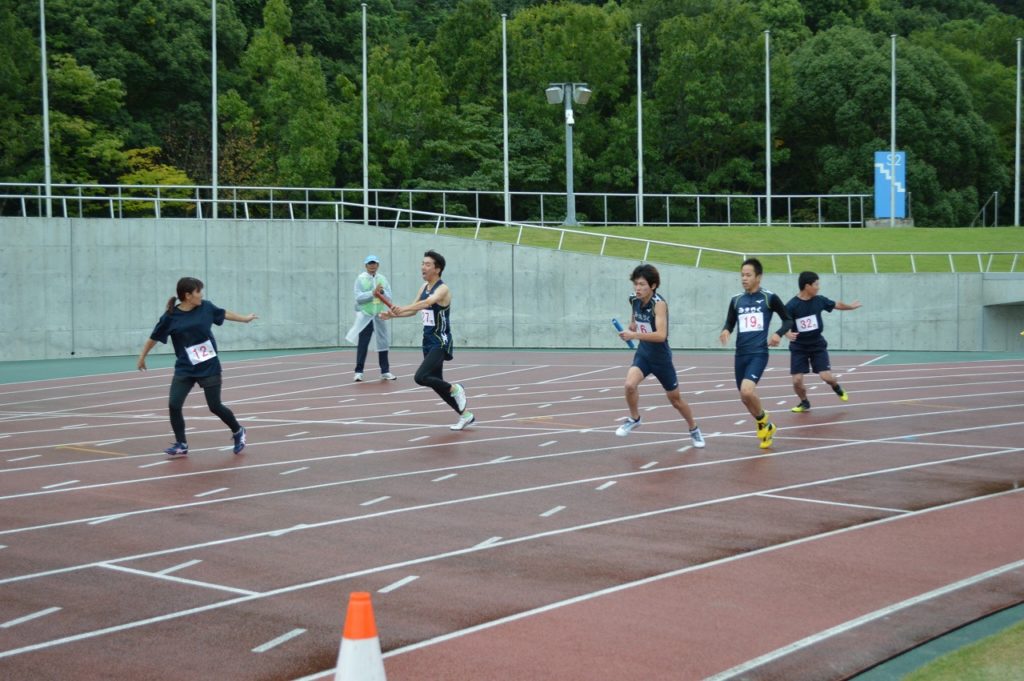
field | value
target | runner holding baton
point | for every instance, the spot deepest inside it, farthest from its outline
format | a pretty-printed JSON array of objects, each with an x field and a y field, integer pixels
[{"x": 618, "y": 327}]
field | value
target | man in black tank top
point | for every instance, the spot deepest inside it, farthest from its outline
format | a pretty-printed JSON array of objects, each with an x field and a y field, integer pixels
[{"x": 433, "y": 303}]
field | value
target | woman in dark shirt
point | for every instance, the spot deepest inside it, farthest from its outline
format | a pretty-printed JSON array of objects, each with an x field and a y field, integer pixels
[{"x": 189, "y": 325}]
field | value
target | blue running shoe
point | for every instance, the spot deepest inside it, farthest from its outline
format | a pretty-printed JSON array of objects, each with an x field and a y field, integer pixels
[{"x": 239, "y": 439}]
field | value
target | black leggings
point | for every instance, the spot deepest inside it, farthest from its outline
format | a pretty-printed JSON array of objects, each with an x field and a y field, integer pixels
[
  {"x": 429, "y": 374},
  {"x": 180, "y": 387}
]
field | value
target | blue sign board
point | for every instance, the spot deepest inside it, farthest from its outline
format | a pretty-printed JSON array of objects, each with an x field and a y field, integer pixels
[{"x": 890, "y": 171}]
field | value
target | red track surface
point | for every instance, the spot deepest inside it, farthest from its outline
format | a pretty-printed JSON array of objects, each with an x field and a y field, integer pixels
[{"x": 534, "y": 545}]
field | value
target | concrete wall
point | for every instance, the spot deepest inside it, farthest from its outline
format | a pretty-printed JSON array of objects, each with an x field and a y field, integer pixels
[{"x": 96, "y": 287}]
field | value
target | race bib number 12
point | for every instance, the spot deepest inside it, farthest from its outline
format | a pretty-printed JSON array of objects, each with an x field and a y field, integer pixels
[{"x": 201, "y": 352}]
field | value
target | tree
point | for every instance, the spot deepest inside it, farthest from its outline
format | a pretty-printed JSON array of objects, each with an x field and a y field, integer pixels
[{"x": 843, "y": 118}]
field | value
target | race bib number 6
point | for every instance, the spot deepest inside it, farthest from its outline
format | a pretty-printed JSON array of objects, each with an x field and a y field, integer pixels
[
  {"x": 809, "y": 323},
  {"x": 751, "y": 321},
  {"x": 201, "y": 352}
]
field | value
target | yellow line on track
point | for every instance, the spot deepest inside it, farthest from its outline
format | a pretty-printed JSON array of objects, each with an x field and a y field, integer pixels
[{"x": 89, "y": 450}]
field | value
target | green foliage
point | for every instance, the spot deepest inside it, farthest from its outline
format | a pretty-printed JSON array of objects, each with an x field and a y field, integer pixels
[{"x": 136, "y": 74}]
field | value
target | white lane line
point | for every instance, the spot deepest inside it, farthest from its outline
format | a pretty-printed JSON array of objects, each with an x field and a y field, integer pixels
[
  {"x": 870, "y": 361},
  {"x": 544, "y": 406},
  {"x": 508, "y": 416},
  {"x": 500, "y": 459},
  {"x": 605, "y": 485},
  {"x": 548, "y": 443},
  {"x": 282, "y": 532},
  {"x": 73, "y": 426},
  {"x": 835, "y": 503},
  {"x": 421, "y": 437},
  {"x": 212, "y": 491},
  {"x": 179, "y": 566},
  {"x": 403, "y": 411},
  {"x": 648, "y": 465},
  {"x": 572, "y": 376},
  {"x": 685, "y": 449},
  {"x": 740, "y": 422},
  {"x": 649, "y": 408},
  {"x": 371, "y": 502},
  {"x": 25, "y": 458},
  {"x": 157, "y": 463},
  {"x": 851, "y": 370},
  {"x": 459, "y": 552},
  {"x": 813, "y": 387},
  {"x": 27, "y": 618},
  {"x": 604, "y": 390},
  {"x": 487, "y": 542},
  {"x": 444, "y": 477},
  {"x": 60, "y": 484},
  {"x": 577, "y": 397},
  {"x": 781, "y": 402},
  {"x": 283, "y": 638},
  {"x": 294, "y": 470},
  {"x": 720, "y": 385},
  {"x": 106, "y": 519},
  {"x": 699, "y": 392},
  {"x": 515, "y": 387},
  {"x": 881, "y": 613},
  {"x": 351, "y": 399},
  {"x": 551, "y": 511},
  {"x": 108, "y": 442},
  {"x": 398, "y": 585},
  {"x": 301, "y": 432},
  {"x": 3, "y": 546},
  {"x": 179, "y": 580}
]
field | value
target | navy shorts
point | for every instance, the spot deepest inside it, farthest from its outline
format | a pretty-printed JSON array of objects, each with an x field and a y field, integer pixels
[
  {"x": 816, "y": 359},
  {"x": 750, "y": 367},
  {"x": 663, "y": 371}
]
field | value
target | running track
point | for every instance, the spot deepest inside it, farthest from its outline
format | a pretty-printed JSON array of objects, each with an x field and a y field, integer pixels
[{"x": 534, "y": 545}]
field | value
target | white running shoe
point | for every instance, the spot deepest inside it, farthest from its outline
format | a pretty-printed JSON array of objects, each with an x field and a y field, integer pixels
[
  {"x": 388, "y": 376},
  {"x": 358, "y": 378},
  {"x": 464, "y": 420},
  {"x": 697, "y": 438},
  {"x": 460, "y": 397},
  {"x": 626, "y": 427}
]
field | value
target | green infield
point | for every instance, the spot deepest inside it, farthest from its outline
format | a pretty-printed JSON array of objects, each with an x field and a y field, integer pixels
[
  {"x": 995, "y": 658},
  {"x": 822, "y": 249}
]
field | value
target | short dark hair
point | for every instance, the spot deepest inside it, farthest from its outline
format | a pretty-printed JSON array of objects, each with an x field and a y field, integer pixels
[
  {"x": 806, "y": 279},
  {"x": 437, "y": 258},
  {"x": 755, "y": 263},
  {"x": 647, "y": 272}
]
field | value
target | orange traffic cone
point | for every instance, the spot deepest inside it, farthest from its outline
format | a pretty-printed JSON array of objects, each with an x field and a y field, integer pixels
[{"x": 359, "y": 658}]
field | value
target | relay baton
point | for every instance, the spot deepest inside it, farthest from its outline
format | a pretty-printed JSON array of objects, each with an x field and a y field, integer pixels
[
  {"x": 382, "y": 298},
  {"x": 618, "y": 327}
]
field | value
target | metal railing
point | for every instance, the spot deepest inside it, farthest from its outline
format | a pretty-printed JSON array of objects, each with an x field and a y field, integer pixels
[
  {"x": 543, "y": 208},
  {"x": 308, "y": 204}
]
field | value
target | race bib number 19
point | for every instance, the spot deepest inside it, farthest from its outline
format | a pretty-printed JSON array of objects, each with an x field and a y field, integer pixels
[
  {"x": 751, "y": 321},
  {"x": 200, "y": 353}
]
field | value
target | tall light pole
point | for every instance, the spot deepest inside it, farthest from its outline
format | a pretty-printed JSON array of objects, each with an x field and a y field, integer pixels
[
  {"x": 1016, "y": 150},
  {"x": 768, "y": 127},
  {"x": 504, "y": 114},
  {"x": 46, "y": 108},
  {"x": 213, "y": 95},
  {"x": 892, "y": 138},
  {"x": 566, "y": 93},
  {"x": 639, "y": 136},
  {"x": 366, "y": 135}
]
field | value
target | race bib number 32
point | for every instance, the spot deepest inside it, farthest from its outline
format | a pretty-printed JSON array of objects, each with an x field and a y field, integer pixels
[
  {"x": 809, "y": 323},
  {"x": 201, "y": 352}
]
